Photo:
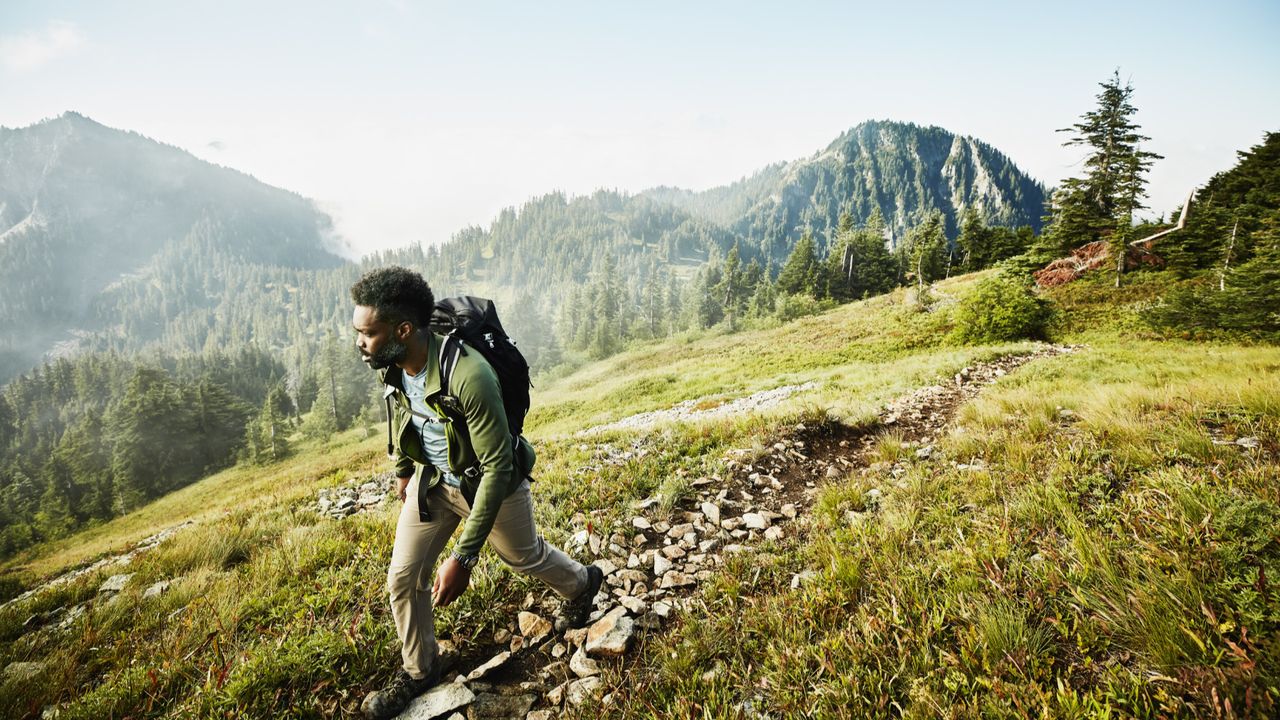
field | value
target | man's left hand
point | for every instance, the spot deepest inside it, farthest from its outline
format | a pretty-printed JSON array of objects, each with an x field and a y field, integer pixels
[{"x": 451, "y": 581}]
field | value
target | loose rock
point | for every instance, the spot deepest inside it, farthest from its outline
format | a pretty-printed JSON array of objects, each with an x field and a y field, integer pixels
[
  {"x": 533, "y": 627},
  {"x": 437, "y": 701},
  {"x": 611, "y": 635}
]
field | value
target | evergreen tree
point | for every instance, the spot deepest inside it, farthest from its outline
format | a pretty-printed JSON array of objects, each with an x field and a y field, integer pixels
[
  {"x": 800, "y": 272},
  {"x": 607, "y": 308},
  {"x": 1099, "y": 204},
  {"x": 267, "y": 437},
  {"x": 925, "y": 251},
  {"x": 732, "y": 288}
]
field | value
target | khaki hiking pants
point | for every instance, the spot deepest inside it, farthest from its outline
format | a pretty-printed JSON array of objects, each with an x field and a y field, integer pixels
[{"x": 418, "y": 544}]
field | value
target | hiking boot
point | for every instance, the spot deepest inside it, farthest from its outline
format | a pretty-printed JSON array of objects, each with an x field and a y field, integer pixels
[
  {"x": 574, "y": 612},
  {"x": 391, "y": 700}
]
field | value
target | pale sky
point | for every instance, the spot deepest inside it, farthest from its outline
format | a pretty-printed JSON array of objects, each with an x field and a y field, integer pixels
[{"x": 407, "y": 121}]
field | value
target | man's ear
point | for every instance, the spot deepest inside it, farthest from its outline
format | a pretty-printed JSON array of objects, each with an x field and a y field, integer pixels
[{"x": 404, "y": 330}]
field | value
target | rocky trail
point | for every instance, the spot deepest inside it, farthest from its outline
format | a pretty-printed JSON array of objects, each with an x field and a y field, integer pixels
[{"x": 655, "y": 564}]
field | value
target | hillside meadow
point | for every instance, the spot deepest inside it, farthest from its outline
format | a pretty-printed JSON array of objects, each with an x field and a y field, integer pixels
[{"x": 1087, "y": 540}]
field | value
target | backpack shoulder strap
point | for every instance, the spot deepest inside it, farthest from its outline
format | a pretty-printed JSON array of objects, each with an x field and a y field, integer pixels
[{"x": 450, "y": 350}]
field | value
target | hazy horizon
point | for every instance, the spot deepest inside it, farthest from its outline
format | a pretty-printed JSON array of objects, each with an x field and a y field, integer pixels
[{"x": 408, "y": 122}]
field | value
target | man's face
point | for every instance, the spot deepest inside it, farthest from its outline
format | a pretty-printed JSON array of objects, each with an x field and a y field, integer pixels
[{"x": 380, "y": 344}]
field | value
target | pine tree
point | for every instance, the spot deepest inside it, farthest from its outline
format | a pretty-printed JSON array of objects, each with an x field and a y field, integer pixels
[
  {"x": 731, "y": 290},
  {"x": 974, "y": 241},
  {"x": 1100, "y": 203},
  {"x": 925, "y": 251},
  {"x": 799, "y": 273}
]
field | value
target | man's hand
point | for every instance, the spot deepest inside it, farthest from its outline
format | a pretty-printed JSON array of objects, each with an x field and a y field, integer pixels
[
  {"x": 401, "y": 484},
  {"x": 451, "y": 581}
]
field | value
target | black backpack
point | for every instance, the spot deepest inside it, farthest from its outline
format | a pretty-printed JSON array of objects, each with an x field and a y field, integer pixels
[{"x": 472, "y": 323}]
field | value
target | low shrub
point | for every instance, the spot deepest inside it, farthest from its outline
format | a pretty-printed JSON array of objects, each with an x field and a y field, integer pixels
[{"x": 999, "y": 309}]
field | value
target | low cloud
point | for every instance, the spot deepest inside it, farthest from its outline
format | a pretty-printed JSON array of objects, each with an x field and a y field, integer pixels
[{"x": 29, "y": 50}]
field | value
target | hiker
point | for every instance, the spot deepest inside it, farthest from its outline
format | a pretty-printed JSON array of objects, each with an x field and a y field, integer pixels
[{"x": 472, "y": 471}]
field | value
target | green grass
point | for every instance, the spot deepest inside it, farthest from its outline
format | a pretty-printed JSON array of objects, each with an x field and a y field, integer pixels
[{"x": 1109, "y": 562}]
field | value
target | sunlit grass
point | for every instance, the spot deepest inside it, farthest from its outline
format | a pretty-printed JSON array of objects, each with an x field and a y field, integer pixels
[{"x": 1078, "y": 546}]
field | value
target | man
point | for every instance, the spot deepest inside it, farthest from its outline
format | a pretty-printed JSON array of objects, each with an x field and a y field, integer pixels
[{"x": 468, "y": 474}]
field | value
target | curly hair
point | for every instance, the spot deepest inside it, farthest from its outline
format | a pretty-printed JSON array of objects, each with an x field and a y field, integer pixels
[{"x": 396, "y": 294}]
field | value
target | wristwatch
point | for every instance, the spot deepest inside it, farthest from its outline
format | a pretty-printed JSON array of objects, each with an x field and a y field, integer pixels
[{"x": 466, "y": 561}]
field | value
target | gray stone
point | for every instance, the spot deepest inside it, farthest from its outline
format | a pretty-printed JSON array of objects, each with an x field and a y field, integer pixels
[
  {"x": 754, "y": 521},
  {"x": 115, "y": 583},
  {"x": 491, "y": 705},
  {"x": 582, "y": 665},
  {"x": 22, "y": 670},
  {"x": 640, "y": 523},
  {"x": 680, "y": 530},
  {"x": 76, "y": 613},
  {"x": 156, "y": 589},
  {"x": 611, "y": 635},
  {"x": 634, "y": 605},
  {"x": 712, "y": 512},
  {"x": 494, "y": 663},
  {"x": 674, "y": 579},
  {"x": 773, "y": 533},
  {"x": 437, "y": 701},
  {"x": 583, "y": 691},
  {"x": 607, "y": 566},
  {"x": 555, "y": 695},
  {"x": 1249, "y": 442},
  {"x": 539, "y": 715},
  {"x": 660, "y": 565}
]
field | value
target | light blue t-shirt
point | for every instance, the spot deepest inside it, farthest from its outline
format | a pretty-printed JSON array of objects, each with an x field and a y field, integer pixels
[{"x": 434, "y": 442}]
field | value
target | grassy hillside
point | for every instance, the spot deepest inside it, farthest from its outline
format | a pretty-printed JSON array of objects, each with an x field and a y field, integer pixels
[{"x": 1075, "y": 545}]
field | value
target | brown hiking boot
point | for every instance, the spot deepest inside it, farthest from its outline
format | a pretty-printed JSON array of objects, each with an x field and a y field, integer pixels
[{"x": 574, "y": 612}]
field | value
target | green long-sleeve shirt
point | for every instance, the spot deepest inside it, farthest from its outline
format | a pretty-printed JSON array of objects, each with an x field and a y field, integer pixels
[{"x": 480, "y": 452}]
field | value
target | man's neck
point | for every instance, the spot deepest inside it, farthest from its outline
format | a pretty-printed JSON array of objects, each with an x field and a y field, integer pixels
[{"x": 418, "y": 351}]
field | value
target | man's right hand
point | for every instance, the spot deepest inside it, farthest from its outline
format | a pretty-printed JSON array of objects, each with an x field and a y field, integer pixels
[{"x": 401, "y": 484}]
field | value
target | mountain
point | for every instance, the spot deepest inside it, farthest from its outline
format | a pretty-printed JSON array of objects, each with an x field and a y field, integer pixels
[
  {"x": 903, "y": 170},
  {"x": 85, "y": 208},
  {"x": 109, "y": 240}
]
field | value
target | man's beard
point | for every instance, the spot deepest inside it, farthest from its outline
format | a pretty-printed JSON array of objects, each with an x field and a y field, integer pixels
[{"x": 386, "y": 356}]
